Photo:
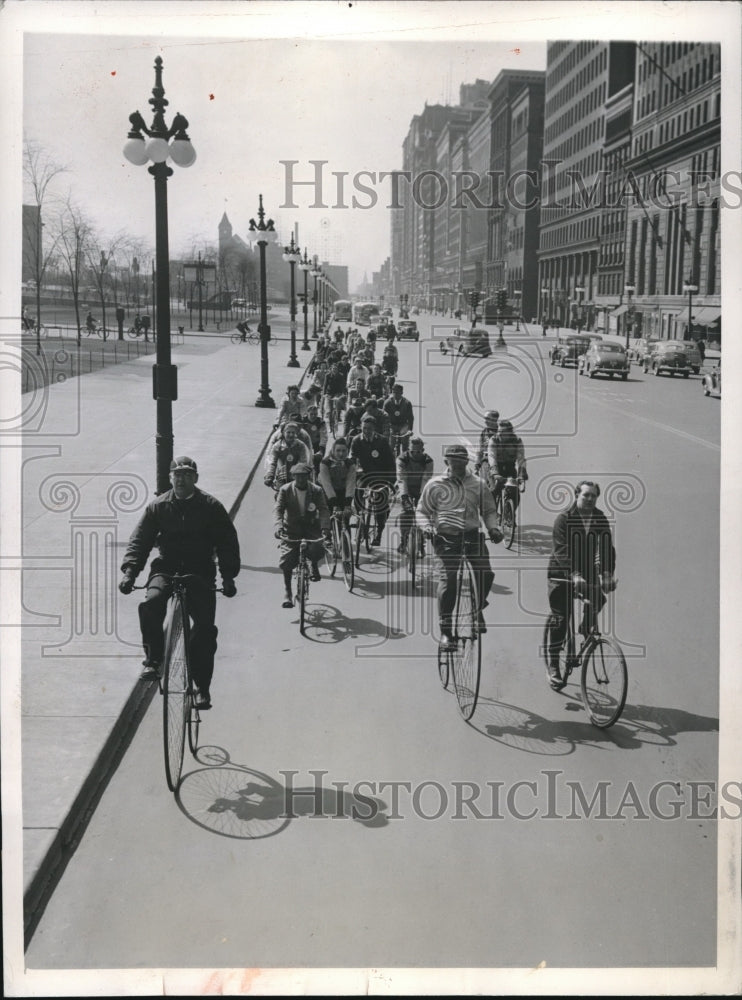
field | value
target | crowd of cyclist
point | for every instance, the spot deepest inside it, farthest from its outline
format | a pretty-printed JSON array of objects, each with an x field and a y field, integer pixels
[{"x": 351, "y": 432}]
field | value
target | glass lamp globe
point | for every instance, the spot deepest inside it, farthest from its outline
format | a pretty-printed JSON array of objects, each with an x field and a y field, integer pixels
[
  {"x": 135, "y": 152},
  {"x": 158, "y": 150},
  {"x": 182, "y": 152}
]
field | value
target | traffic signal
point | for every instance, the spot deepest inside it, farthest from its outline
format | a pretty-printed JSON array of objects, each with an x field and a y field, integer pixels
[
  {"x": 501, "y": 300},
  {"x": 474, "y": 300}
]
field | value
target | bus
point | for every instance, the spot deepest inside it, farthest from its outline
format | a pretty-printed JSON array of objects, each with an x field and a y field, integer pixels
[
  {"x": 343, "y": 310},
  {"x": 365, "y": 313}
]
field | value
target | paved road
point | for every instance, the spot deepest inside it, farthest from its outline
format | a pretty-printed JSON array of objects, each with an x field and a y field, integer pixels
[{"x": 407, "y": 844}]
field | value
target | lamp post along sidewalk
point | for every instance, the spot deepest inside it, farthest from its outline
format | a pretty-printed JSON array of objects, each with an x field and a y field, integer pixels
[
  {"x": 158, "y": 149},
  {"x": 292, "y": 254},
  {"x": 690, "y": 290},
  {"x": 305, "y": 266},
  {"x": 260, "y": 231}
]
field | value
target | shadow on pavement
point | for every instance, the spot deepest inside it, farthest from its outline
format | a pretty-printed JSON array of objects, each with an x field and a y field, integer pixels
[
  {"x": 233, "y": 800},
  {"x": 639, "y": 726},
  {"x": 326, "y": 624}
]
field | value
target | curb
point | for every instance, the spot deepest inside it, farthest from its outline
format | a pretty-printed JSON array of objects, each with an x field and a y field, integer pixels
[{"x": 72, "y": 828}]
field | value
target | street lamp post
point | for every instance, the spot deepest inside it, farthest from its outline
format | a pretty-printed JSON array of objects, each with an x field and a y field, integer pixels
[
  {"x": 200, "y": 283},
  {"x": 690, "y": 290},
  {"x": 517, "y": 296},
  {"x": 262, "y": 228},
  {"x": 158, "y": 149},
  {"x": 544, "y": 309},
  {"x": 292, "y": 254},
  {"x": 579, "y": 290},
  {"x": 316, "y": 272},
  {"x": 629, "y": 291},
  {"x": 305, "y": 266}
]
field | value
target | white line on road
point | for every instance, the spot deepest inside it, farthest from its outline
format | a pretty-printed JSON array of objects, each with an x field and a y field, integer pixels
[{"x": 657, "y": 423}]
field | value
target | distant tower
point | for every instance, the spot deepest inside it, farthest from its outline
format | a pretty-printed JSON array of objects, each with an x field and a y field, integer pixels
[{"x": 225, "y": 233}]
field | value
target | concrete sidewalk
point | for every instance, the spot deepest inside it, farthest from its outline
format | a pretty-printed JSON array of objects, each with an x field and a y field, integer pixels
[{"x": 88, "y": 471}]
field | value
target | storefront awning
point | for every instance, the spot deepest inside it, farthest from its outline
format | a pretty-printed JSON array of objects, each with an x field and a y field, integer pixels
[
  {"x": 620, "y": 310},
  {"x": 706, "y": 316},
  {"x": 682, "y": 317}
]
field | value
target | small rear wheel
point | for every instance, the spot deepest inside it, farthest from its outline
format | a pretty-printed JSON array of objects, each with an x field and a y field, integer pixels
[
  {"x": 236, "y": 338},
  {"x": 347, "y": 559}
]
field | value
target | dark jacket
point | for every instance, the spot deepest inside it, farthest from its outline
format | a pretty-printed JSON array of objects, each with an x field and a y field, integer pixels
[
  {"x": 189, "y": 534},
  {"x": 287, "y": 514},
  {"x": 577, "y": 551},
  {"x": 374, "y": 456}
]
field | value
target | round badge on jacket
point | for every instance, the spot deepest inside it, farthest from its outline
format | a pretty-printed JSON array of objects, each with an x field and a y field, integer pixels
[
  {"x": 396, "y": 413},
  {"x": 289, "y": 458},
  {"x": 311, "y": 506},
  {"x": 374, "y": 454}
]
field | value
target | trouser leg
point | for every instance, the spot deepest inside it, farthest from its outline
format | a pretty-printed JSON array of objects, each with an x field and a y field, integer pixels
[
  {"x": 201, "y": 604},
  {"x": 152, "y": 616}
]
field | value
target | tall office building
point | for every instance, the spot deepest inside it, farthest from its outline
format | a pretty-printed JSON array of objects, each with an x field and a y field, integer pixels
[{"x": 580, "y": 77}]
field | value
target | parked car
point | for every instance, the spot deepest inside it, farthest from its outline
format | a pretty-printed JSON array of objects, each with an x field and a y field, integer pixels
[
  {"x": 639, "y": 346},
  {"x": 712, "y": 381},
  {"x": 407, "y": 330},
  {"x": 568, "y": 349},
  {"x": 387, "y": 312},
  {"x": 471, "y": 342},
  {"x": 668, "y": 356},
  {"x": 239, "y": 303},
  {"x": 693, "y": 354},
  {"x": 604, "y": 358}
]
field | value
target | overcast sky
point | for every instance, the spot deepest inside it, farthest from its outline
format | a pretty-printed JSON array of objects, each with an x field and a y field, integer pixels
[{"x": 251, "y": 104}]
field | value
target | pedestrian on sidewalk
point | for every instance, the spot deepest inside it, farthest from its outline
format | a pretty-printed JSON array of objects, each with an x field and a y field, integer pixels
[{"x": 192, "y": 532}]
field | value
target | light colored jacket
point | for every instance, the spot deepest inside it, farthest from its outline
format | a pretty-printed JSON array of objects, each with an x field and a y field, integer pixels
[{"x": 448, "y": 505}]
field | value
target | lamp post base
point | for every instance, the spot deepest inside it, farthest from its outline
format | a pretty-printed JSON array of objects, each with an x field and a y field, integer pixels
[
  {"x": 306, "y": 347},
  {"x": 293, "y": 363},
  {"x": 265, "y": 400}
]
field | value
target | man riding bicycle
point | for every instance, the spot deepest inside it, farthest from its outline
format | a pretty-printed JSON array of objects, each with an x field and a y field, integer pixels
[
  {"x": 375, "y": 462},
  {"x": 400, "y": 414},
  {"x": 300, "y": 512},
  {"x": 449, "y": 512},
  {"x": 491, "y": 419},
  {"x": 582, "y": 562},
  {"x": 414, "y": 469},
  {"x": 506, "y": 459},
  {"x": 376, "y": 384},
  {"x": 190, "y": 529},
  {"x": 288, "y": 450},
  {"x": 390, "y": 359}
]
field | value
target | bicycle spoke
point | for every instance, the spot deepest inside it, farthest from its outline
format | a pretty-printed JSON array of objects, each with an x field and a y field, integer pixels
[
  {"x": 604, "y": 681},
  {"x": 175, "y": 696},
  {"x": 466, "y": 656}
]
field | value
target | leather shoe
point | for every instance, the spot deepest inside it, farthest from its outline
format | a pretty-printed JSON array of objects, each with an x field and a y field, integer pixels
[
  {"x": 151, "y": 670},
  {"x": 203, "y": 700},
  {"x": 287, "y": 601},
  {"x": 555, "y": 678},
  {"x": 315, "y": 576}
]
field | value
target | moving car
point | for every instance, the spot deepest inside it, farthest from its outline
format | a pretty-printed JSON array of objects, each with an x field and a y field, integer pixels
[
  {"x": 712, "y": 381},
  {"x": 568, "y": 349},
  {"x": 467, "y": 342},
  {"x": 668, "y": 356},
  {"x": 407, "y": 330},
  {"x": 604, "y": 358}
]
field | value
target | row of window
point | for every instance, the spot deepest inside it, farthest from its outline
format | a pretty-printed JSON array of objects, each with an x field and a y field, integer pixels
[
  {"x": 611, "y": 253},
  {"x": 612, "y": 283},
  {"x": 577, "y": 54},
  {"x": 592, "y": 101},
  {"x": 572, "y": 232},
  {"x": 572, "y": 145}
]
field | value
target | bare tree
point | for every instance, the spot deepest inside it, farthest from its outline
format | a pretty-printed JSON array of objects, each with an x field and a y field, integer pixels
[
  {"x": 39, "y": 170},
  {"x": 73, "y": 236},
  {"x": 101, "y": 252}
]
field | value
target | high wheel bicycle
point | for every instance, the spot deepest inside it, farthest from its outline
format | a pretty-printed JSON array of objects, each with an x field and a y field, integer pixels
[
  {"x": 341, "y": 550},
  {"x": 604, "y": 679},
  {"x": 461, "y": 660}
]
